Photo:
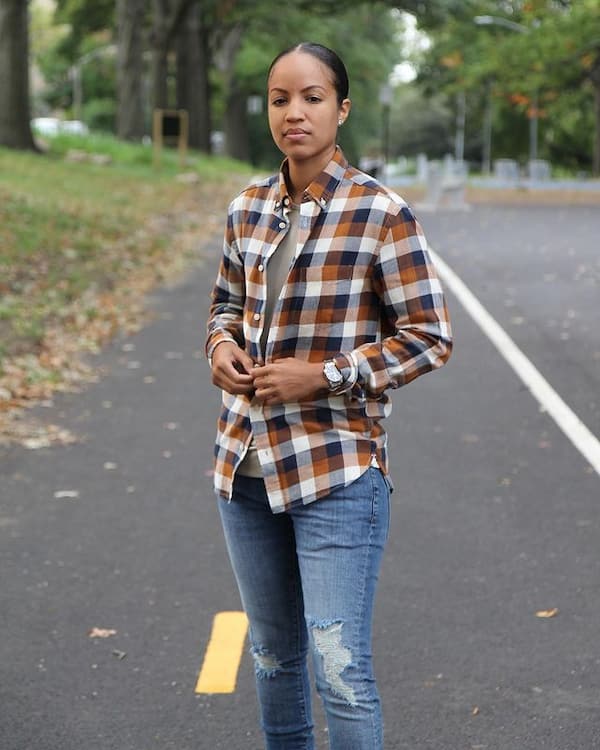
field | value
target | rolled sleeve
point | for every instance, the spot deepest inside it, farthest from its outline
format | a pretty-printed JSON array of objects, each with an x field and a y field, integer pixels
[{"x": 413, "y": 303}]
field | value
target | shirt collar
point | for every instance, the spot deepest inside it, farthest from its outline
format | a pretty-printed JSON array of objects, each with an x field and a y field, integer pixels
[{"x": 322, "y": 188}]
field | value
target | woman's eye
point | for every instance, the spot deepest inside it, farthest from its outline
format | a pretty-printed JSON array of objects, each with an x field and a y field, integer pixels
[
  {"x": 313, "y": 99},
  {"x": 278, "y": 102}
]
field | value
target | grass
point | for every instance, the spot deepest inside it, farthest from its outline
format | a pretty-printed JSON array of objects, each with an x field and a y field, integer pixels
[{"x": 72, "y": 231}]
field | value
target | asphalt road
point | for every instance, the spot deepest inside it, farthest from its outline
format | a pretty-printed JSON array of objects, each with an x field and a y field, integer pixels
[{"x": 496, "y": 517}]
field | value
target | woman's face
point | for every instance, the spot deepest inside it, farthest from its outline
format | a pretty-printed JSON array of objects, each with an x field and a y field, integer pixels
[{"x": 303, "y": 108}]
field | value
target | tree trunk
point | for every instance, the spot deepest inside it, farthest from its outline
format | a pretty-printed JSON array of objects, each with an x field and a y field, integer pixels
[
  {"x": 236, "y": 124},
  {"x": 193, "y": 90},
  {"x": 160, "y": 51},
  {"x": 168, "y": 17},
  {"x": 15, "y": 129},
  {"x": 130, "y": 69},
  {"x": 595, "y": 77}
]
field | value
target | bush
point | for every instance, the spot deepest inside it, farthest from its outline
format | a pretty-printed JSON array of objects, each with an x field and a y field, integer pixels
[{"x": 100, "y": 114}]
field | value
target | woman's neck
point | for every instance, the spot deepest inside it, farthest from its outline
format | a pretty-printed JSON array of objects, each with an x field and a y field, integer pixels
[{"x": 302, "y": 173}]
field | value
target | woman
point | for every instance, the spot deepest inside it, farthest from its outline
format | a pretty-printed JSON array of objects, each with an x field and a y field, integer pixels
[{"x": 325, "y": 298}]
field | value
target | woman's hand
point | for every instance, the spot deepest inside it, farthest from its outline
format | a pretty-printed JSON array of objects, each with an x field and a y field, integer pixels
[
  {"x": 232, "y": 369},
  {"x": 289, "y": 379}
]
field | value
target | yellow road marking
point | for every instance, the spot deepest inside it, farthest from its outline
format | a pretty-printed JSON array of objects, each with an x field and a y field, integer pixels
[{"x": 223, "y": 653}]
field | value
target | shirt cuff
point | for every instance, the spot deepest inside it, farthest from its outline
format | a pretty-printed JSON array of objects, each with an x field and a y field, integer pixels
[{"x": 220, "y": 338}]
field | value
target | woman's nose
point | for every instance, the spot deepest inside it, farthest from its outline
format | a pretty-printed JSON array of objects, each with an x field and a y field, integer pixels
[{"x": 294, "y": 111}]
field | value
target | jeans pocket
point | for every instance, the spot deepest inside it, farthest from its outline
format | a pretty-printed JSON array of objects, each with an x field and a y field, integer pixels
[{"x": 380, "y": 500}]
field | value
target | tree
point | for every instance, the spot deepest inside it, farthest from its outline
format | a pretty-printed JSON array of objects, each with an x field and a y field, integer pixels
[
  {"x": 420, "y": 124},
  {"x": 15, "y": 129},
  {"x": 528, "y": 76},
  {"x": 130, "y": 68},
  {"x": 363, "y": 33},
  {"x": 207, "y": 40},
  {"x": 193, "y": 66},
  {"x": 167, "y": 17},
  {"x": 571, "y": 50}
]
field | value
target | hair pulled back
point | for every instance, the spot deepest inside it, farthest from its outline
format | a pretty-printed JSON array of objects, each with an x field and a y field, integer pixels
[{"x": 328, "y": 57}]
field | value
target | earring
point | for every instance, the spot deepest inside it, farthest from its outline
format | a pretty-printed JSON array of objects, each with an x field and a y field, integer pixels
[{"x": 340, "y": 122}]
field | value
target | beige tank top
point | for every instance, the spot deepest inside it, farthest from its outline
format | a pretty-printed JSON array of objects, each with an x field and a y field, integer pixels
[{"x": 277, "y": 273}]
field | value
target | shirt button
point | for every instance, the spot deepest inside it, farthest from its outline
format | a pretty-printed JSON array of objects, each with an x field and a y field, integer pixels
[
  {"x": 282, "y": 225},
  {"x": 256, "y": 316},
  {"x": 261, "y": 267},
  {"x": 286, "y": 201}
]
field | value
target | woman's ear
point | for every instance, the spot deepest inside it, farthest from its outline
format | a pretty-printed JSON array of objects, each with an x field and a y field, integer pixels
[{"x": 344, "y": 111}]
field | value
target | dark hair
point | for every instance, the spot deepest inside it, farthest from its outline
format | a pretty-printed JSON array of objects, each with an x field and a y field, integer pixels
[{"x": 328, "y": 57}]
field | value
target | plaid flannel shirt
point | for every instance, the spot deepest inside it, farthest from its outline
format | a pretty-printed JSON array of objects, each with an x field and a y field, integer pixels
[{"x": 362, "y": 290}]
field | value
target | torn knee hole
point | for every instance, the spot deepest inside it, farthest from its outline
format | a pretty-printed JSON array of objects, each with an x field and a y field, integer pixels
[
  {"x": 265, "y": 664},
  {"x": 336, "y": 658}
]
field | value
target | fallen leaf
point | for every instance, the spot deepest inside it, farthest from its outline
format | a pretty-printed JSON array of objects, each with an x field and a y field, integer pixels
[
  {"x": 475, "y": 711},
  {"x": 545, "y": 613},
  {"x": 34, "y": 444},
  {"x": 101, "y": 633},
  {"x": 131, "y": 266},
  {"x": 59, "y": 494},
  {"x": 119, "y": 654}
]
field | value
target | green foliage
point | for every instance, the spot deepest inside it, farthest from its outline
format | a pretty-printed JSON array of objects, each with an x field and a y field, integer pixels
[
  {"x": 365, "y": 38},
  {"x": 533, "y": 47},
  {"x": 364, "y": 33},
  {"x": 100, "y": 114},
  {"x": 84, "y": 17},
  {"x": 420, "y": 124}
]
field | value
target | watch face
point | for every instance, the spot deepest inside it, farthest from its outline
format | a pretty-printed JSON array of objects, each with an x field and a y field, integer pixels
[{"x": 333, "y": 375}]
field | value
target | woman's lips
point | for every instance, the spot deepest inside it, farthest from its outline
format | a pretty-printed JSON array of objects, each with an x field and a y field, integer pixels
[{"x": 295, "y": 135}]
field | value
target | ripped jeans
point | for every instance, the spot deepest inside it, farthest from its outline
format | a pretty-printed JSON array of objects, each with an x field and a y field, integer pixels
[{"x": 307, "y": 580}]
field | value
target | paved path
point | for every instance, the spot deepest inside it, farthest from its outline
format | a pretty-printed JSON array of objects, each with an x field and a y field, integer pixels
[{"x": 496, "y": 517}]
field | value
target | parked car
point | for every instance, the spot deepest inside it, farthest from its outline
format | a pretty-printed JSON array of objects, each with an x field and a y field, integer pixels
[{"x": 54, "y": 126}]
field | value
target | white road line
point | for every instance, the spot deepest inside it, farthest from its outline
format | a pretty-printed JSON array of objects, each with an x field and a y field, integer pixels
[{"x": 581, "y": 437}]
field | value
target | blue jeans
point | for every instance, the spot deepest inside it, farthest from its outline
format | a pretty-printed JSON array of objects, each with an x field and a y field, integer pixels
[{"x": 307, "y": 580}]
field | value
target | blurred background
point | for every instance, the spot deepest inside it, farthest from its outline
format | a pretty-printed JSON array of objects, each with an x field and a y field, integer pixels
[
  {"x": 454, "y": 101},
  {"x": 126, "y": 127},
  {"x": 481, "y": 80}
]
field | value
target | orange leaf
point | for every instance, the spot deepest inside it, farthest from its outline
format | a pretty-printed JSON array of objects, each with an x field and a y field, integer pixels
[{"x": 545, "y": 613}]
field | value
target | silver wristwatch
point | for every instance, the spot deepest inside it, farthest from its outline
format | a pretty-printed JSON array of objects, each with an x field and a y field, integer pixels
[{"x": 332, "y": 375}]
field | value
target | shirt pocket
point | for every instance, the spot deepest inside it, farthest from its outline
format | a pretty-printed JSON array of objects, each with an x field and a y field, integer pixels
[
  {"x": 328, "y": 292},
  {"x": 328, "y": 280}
]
